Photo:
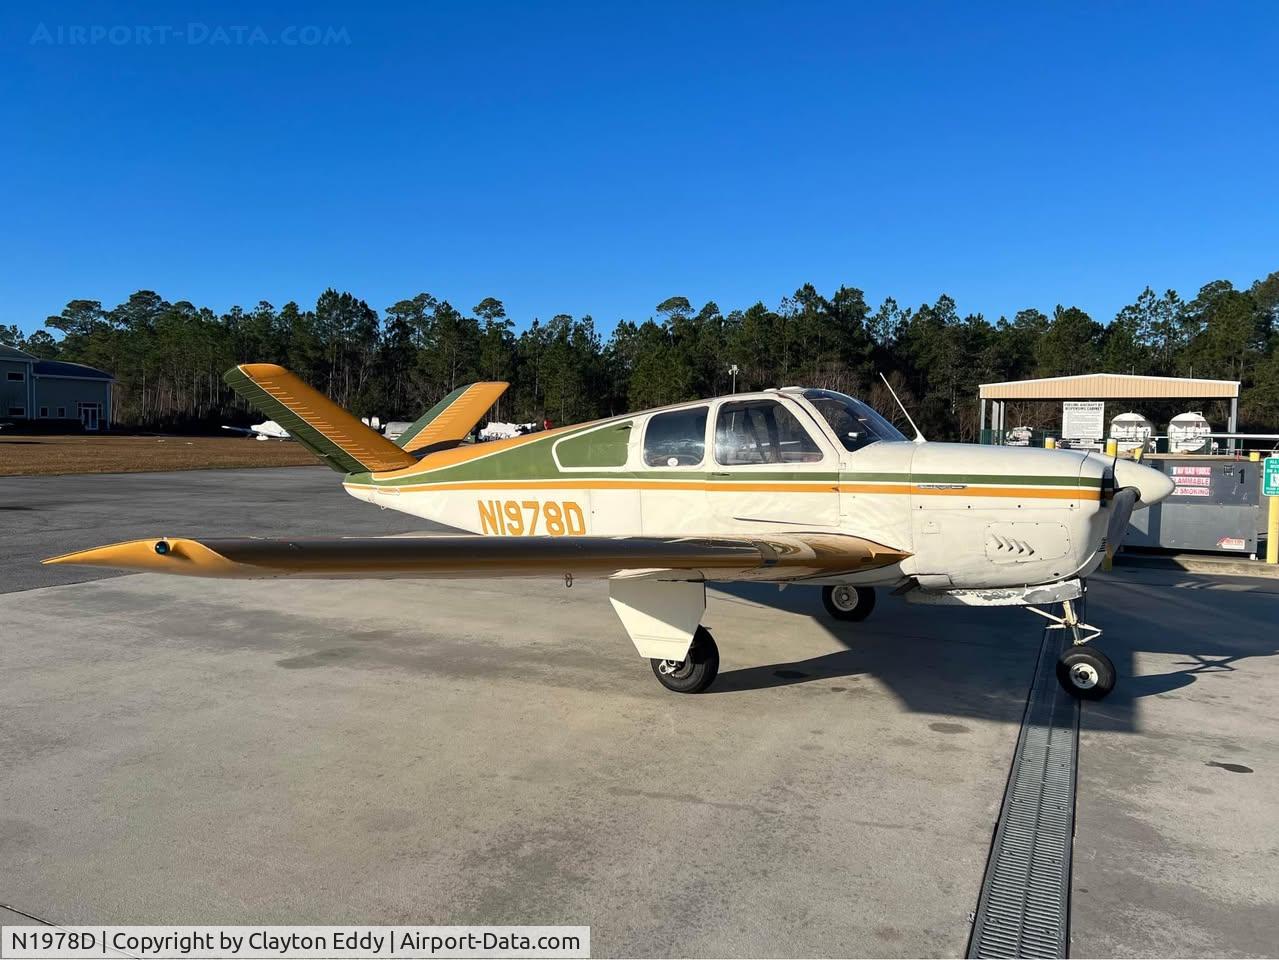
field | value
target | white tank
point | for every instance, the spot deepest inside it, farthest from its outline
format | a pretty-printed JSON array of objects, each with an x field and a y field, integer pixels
[
  {"x": 1131, "y": 431},
  {"x": 1188, "y": 433}
]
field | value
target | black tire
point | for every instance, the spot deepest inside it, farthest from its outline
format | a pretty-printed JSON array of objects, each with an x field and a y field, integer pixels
[
  {"x": 849, "y": 603},
  {"x": 695, "y": 672},
  {"x": 1085, "y": 672}
]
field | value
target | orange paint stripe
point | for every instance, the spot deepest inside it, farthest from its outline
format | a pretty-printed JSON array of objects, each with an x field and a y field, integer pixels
[
  {"x": 892, "y": 488},
  {"x": 1037, "y": 493},
  {"x": 976, "y": 490},
  {"x": 596, "y": 484}
]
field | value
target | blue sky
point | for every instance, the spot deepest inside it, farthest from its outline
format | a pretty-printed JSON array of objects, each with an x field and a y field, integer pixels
[{"x": 598, "y": 157}]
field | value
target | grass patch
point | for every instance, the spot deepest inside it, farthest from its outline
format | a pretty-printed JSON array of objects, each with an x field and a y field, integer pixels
[{"x": 108, "y": 453}]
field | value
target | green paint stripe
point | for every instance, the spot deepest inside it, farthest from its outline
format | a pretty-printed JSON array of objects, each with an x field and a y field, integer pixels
[
  {"x": 657, "y": 476},
  {"x": 533, "y": 461},
  {"x": 495, "y": 469},
  {"x": 1007, "y": 479}
]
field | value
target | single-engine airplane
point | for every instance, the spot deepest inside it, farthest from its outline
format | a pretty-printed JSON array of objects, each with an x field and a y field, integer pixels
[
  {"x": 267, "y": 430},
  {"x": 792, "y": 486}
]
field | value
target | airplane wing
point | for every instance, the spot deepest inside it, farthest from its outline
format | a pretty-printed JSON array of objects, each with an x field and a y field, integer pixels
[{"x": 788, "y": 557}]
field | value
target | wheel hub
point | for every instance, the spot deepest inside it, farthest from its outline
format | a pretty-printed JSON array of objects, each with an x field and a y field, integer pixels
[
  {"x": 670, "y": 668},
  {"x": 1083, "y": 675},
  {"x": 845, "y": 598}
]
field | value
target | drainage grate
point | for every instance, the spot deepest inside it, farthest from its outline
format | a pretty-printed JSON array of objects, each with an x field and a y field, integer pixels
[{"x": 1024, "y": 910}]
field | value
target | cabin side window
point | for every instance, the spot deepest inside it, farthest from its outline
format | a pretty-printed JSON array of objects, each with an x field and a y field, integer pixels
[
  {"x": 676, "y": 439},
  {"x": 761, "y": 431}
]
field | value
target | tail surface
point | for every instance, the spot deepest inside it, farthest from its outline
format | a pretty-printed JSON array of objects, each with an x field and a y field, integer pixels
[
  {"x": 450, "y": 420},
  {"x": 315, "y": 421}
]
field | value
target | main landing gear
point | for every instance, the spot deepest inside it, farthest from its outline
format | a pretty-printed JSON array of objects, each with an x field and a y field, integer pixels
[
  {"x": 696, "y": 671},
  {"x": 1082, "y": 670},
  {"x": 844, "y": 602}
]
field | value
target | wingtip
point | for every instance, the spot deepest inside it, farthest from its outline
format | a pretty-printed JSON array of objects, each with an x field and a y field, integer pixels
[
  {"x": 152, "y": 555},
  {"x": 257, "y": 371},
  {"x": 121, "y": 554}
]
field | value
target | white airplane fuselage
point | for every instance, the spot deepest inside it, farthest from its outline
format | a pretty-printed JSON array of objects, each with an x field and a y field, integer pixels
[{"x": 972, "y": 517}]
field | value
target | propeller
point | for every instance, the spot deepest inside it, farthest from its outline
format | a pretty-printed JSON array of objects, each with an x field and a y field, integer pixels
[{"x": 1121, "y": 507}]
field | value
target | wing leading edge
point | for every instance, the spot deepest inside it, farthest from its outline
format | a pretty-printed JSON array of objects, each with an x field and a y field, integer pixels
[{"x": 787, "y": 557}]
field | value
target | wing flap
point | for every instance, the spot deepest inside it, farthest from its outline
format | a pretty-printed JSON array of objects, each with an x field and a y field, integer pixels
[{"x": 785, "y": 558}]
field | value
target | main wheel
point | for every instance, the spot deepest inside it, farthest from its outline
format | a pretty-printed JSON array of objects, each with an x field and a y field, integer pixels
[
  {"x": 1086, "y": 672},
  {"x": 696, "y": 671},
  {"x": 849, "y": 603}
]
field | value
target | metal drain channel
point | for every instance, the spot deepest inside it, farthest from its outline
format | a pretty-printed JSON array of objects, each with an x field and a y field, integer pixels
[{"x": 1024, "y": 910}]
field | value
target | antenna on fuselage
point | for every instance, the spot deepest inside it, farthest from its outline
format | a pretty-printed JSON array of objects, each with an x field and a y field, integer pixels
[{"x": 919, "y": 437}]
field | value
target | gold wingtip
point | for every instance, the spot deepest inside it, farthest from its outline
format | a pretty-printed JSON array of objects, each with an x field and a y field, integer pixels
[
  {"x": 94, "y": 557},
  {"x": 154, "y": 555}
]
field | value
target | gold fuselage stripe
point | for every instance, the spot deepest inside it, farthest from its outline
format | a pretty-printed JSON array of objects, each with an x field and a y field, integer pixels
[{"x": 711, "y": 486}]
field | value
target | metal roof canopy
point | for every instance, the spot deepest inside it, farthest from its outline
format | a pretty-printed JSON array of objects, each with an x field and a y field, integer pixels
[
  {"x": 1107, "y": 386},
  {"x": 1111, "y": 386}
]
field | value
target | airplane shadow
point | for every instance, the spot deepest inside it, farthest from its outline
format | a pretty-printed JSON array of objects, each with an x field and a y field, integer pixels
[
  {"x": 975, "y": 662},
  {"x": 932, "y": 670}
]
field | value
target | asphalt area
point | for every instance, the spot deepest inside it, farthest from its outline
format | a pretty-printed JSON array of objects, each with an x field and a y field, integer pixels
[{"x": 495, "y": 752}]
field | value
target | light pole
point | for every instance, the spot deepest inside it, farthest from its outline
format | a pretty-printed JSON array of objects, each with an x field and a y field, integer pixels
[{"x": 732, "y": 369}]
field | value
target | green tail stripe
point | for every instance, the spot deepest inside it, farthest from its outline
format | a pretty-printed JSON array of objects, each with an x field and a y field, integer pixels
[
  {"x": 299, "y": 429},
  {"x": 422, "y": 422}
]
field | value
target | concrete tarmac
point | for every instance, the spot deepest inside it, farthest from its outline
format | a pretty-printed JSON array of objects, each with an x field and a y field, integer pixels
[
  {"x": 495, "y": 752},
  {"x": 45, "y": 516}
]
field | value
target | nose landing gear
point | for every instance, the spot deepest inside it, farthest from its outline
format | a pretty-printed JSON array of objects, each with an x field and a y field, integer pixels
[{"x": 1082, "y": 670}]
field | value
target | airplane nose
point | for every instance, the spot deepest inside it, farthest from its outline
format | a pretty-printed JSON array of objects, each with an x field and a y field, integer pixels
[{"x": 1151, "y": 485}]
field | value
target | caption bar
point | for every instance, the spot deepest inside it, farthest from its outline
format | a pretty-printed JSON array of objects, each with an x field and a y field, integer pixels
[{"x": 301, "y": 943}]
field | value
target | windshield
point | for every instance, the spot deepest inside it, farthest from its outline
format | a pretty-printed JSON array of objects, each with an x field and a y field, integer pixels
[{"x": 856, "y": 424}]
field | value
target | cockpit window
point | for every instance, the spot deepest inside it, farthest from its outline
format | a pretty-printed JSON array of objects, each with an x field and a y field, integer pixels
[
  {"x": 761, "y": 431},
  {"x": 856, "y": 424}
]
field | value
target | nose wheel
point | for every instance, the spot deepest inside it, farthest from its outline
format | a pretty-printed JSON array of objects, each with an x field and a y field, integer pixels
[
  {"x": 1085, "y": 672},
  {"x": 696, "y": 671}
]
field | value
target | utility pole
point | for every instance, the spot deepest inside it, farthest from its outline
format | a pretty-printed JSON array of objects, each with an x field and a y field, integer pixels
[{"x": 732, "y": 369}]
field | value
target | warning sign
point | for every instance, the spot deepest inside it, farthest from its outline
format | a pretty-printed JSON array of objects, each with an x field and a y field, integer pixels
[{"x": 1083, "y": 419}]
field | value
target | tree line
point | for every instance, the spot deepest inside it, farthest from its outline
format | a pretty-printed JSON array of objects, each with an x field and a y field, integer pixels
[{"x": 169, "y": 357}]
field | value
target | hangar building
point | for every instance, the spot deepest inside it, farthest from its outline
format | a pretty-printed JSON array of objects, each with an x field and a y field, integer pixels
[{"x": 32, "y": 390}]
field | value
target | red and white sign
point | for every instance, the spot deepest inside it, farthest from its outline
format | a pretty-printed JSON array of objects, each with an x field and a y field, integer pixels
[{"x": 1180, "y": 491}]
